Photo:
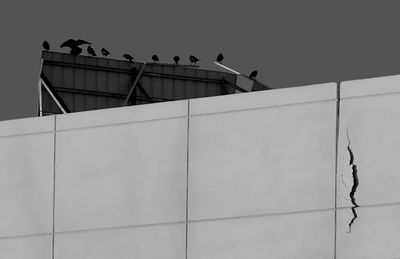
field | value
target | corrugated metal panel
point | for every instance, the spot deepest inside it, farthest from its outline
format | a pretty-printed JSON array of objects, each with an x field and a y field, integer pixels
[
  {"x": 88, "y": 83},
  {"x": 187, "y": 83}
]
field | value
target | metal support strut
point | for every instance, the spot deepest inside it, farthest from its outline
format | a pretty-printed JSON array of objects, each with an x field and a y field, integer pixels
[{"x": 134, "y": 84}]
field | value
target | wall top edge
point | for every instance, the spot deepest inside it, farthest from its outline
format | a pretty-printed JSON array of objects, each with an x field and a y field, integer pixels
[
  {"x": 207, "y": 105},
  {"x": 370, "y": 86},
  {"x": 26, "y": 126},
  {"x": 264, "y": 99},
  {"x": 165, "y": 110},
  {"x": 120, "y": 115}
]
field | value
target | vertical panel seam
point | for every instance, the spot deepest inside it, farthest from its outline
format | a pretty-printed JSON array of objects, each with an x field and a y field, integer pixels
[
  {"x": 336, "y": 164},
  {"x": 54, "y": 185},
  {"x": 187, "y": 179}
]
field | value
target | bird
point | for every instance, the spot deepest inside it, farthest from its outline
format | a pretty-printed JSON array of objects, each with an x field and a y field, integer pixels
[
  {"x": 75, "y": 51},
  {"x": 220, "y": 57},
  {"x": 155, "y": 58},
  {"x": 128, "y": 57},
  {"x": 74, "y": 46},
  {"x": 176, "y": 59},
  {"x": 46, "y": 45},
  {"x": 71, "y": 43},
  {"x": 105, "y": 52},
  {"x": 193, "y": 60},
  {"x": 253, "y": 74},
  {"x": 90, "y": 51}
]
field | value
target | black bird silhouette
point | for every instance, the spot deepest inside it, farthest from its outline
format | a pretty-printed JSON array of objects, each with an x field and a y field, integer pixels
[
  {"x": 74, "y": 46},
  {"x": 90, "y": 51},
  {"x": 220, "y": 57},
  {"x": 155, "y": 58},
  {"x": 105, "y": 52},
  {"x": 253, "y": 74},
  {"x": 176, "y": 59},
  {"x": 193, "y": 60},
  {"x": 71, "y": 43},
  {"x": 128, "y": 57},
  {"x": 75, "y": 51},
  {"x": 46, "y": 45}
]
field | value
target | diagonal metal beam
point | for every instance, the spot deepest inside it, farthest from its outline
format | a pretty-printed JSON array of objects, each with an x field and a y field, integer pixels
[
  {"x": 134, "y": 84},
  {"x": 140, "y": 87},
  {"x": 228, "y": 68},
  {"x": 258, "y": 83},
  {"x": 40, "y": 104},
  {"x": 53, "y": 93}
]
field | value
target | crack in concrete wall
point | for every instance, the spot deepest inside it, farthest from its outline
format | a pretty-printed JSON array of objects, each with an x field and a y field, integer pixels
[{"x": 355, "y": 182}]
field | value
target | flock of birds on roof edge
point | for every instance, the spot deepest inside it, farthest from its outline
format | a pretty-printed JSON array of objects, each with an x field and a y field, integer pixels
[{"x": 75, "y": 50}]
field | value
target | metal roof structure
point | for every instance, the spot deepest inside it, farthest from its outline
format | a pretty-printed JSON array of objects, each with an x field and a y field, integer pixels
[{"x": 70, "y": 83}]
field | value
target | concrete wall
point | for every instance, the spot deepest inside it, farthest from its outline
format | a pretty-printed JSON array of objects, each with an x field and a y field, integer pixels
[{"x": 288, "y": 173}]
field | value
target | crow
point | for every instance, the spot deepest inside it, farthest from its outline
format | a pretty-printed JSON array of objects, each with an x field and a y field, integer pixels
[
  {"x": 176, "y": 59},
  {"x": 75, "y": 51},
  {"x": 220, "y": 57},
  {"x": 193, "y": 60},
  {"x": 128, "y": 57},
  {"x": 253, "y": 74},
  {"x": 71, "y": 43},
  {"x": 155, "y": 58},
  {"x": 46, "y": 45},
  {"x": 90, "y": 51},
  {"x": 105, "y": 52}
]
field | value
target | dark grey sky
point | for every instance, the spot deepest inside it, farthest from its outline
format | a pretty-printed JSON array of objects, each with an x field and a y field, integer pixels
[{"x": 289, "y": 42}]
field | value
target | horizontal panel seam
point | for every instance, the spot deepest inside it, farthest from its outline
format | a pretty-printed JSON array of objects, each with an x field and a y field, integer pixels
[
  {"x": 122, "y": 123},
  {"x": 369, "y": 95},
  {"x": 27, "y": 134},
  {"x": 201, "y": 220},
  {"x": 261, "y": 108},
  {"x": 26, "y": 235}
]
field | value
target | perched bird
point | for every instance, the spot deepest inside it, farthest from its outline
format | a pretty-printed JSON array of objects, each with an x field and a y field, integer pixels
[
  {"x": 155, "y": 58},
  {"x": 46, "y": 45},
  {"x": 176, "y": 59},
  {"x": 128, "y": 57},
  {"x": 74, "y": 46},
  {"x": 253, "y": 74},
  {"x": 75, "y": 51},
  {"x": 220, "y": 57},
  {"x": 193, "y": 60},
  {"x": 90, "y": 51},
  {"x": 105, "y": 52}
]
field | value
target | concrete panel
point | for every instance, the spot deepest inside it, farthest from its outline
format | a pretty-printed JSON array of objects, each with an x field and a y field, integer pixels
[
  {"x": 369, "y": 143},
  {"x": 34, "y": 247},
  {"x": 374, "y": 233},
  {"x": 262, "y": 161},
  {"x": 121, "y": 175},
  {"x": 167, "y": 242},
  {"x": 303, "y": 235},
  {"x": 26, "y": 126},
  {"x": 370, "y": 86},
  {"x": 122, "y": 115},
  {"x": 270, "y": 98},
  {"x": 26, "y": 184}
]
